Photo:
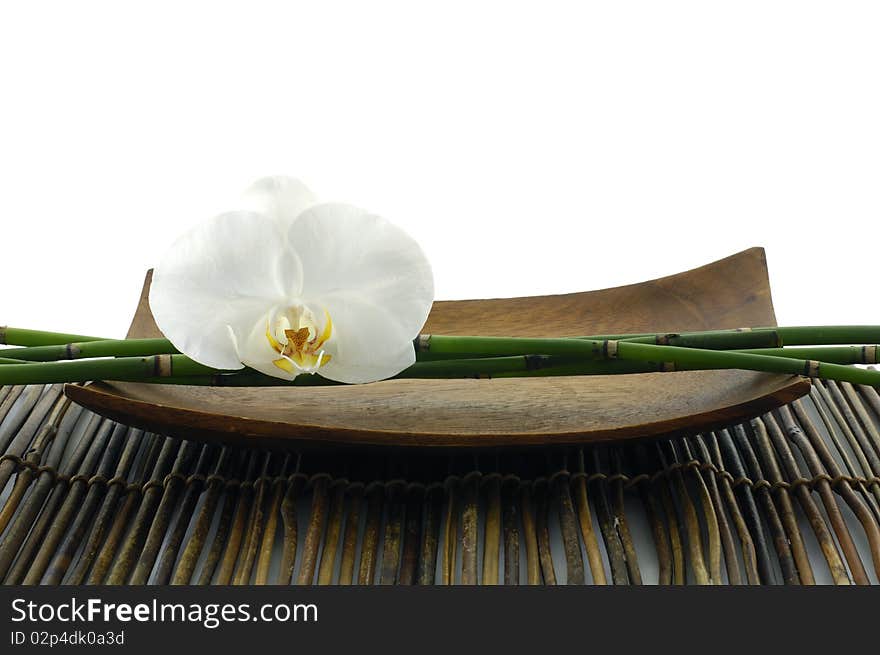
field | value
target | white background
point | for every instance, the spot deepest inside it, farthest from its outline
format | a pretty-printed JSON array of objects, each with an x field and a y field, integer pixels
[{"x": 530, "y": 147}]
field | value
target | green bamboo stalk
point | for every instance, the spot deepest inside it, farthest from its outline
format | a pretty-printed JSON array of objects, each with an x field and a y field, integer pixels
[
  {"x": 719, "y": 359},
  {"x": 731, "y": 340},
  {"x": 123, "y": 368},
  {"x": 21, "y": 337},
  {"x": 89, "y": 349},
  {"x": 830, "y": 354}
]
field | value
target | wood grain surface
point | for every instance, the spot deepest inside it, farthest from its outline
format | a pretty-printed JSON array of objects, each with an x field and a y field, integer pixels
[{"x": 733, "y": 292}]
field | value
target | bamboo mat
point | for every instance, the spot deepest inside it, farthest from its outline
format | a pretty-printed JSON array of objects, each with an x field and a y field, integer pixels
[{"x": 791, "y": 497}]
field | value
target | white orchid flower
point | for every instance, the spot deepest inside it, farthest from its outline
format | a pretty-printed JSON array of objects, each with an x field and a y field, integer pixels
[{"x": 288, "y": 285}]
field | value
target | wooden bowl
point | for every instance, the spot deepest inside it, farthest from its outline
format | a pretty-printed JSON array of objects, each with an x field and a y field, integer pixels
[{"x": 504, "y": 412}]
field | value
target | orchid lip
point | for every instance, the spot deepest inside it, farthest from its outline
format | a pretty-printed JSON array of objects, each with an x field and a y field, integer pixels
[{"x": 298, "y": 339}]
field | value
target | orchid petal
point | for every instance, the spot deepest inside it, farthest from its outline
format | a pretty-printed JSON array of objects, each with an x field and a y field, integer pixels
[
  {"x": 217, "y": 279},
  {"x": 280, "y": 198},
  {"x": 375, "y": 282}
]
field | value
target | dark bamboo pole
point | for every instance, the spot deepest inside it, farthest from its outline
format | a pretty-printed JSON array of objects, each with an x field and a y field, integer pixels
[
  {"x": 290, "y": 526},
  {"x": 654, "y": 512},
  {"x": 613, "y": 545},
  {"x": 243, "y": 467},
  {"x": 189, "y": 558},
  {"x": 254, "y": 526},
  {"x": 72, "y": 501},
  {"x": 713, "y": 531},
  {"x": 243, "y": 509},
  {"x": 370, "y": 544},
  {"x": 700, "y": 453},
  {"x": 16, "y": 414},
  {"x": 835, "y": 422},
  {"x": 786, "y": 509},
  {"x": 27, "y": 428},
  {"x": 585, "y": 521},
  {"x": 391, "y": 542},
  {"x": 43, "y": 439},
  {"x": 409, "y": 559},
  {"x": 173, "y": 485},
  {"x": 355, "y": 494},
  {"x": 94, "y": 494},
  {"x": 509, "y": 487},
  {"x": 542, "y": 530},
  {"x": 469, "y": 526},
  {"x": 332, "y": 540},
  {"x": 494, "y": 528},
  {"x": 746, "y": 498},
  {"x": 781, "y": 539},
  {"x": 449, "y": 542},
  {"x": 747, "y": 544},
  {"x": 861, "y": 412},
  {"x": 530, "y": 535},
  {"x": 315, "y": 530},
  {"x": 191, "y": 492},
  {"x": 859, "y": 508},
  {"x": 691, "y": 519},
  {"x": 618, "y": 506},
  {"x": 149, "y": 502},
  {"x": 574, "y": 562},
  {"x": 433, "y": 511},
  {"x": 842, "y": 412},
  {"x": 152, "y": 451},
  {"x": 21, "y": 524},
  {"x": 870, "y": 491},
  {"x": 104, "y": 517}
]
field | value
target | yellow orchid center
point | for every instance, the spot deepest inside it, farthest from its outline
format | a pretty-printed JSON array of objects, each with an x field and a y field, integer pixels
[{"x": 295, "y": 337}]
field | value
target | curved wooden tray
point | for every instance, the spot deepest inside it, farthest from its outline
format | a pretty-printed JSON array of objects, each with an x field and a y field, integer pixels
[{"x": 732, "y": 292}]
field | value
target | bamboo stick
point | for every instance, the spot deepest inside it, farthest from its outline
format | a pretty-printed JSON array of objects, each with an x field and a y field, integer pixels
[
  {"x": 728, "y": 546},
  {"x": 45, "y": 485},
  {"x": 163, "y": 514},
  {"x": 530, "y": 535},
  {"x": 370, "y": 543},
  {"x": 449, "y": 542},
  {"x": 786, "y": 509},
  {"x": 94, "y": 494},
  {"x": 872, "y": 491},
  {"x": 493, "y": 530},
  {"x": 542, "y": 531},
  {"x": 412, "y": 535},
  {"x": 393, "y": 530},
  {"x": 155, "y": 449},
  {"x": 585, "y": 521},
  {"x": 76, "y": 491},
  {"x": 333, "y": 533},
  {"x": 781, "y": 539},
  {"x": 746, "y": 499},
  {"x": 315, "y": 530},
  {"x": 355, "y": 493},
  {"x": 254, "y": 526},
  {"x": 691, "y": 522},
  {"x": 604, "y": 516},
  {"x": 509, "y": 487},
  {"x": 433, "y": 511},
  {"x": 713, "y": 529},
  {"x": 191, "y": 492},
  {"x": 574, "y": 562},
  {"x": 149, "y": 502},
  {"x": 228, "y": 514},
  {"x": 469, "y": 525},
  {"x": 797, "y": 436},
  {"x": 189, "y": 558},
  {"x": 622, "y": 525},
  {"x": 654, "y": 512}
]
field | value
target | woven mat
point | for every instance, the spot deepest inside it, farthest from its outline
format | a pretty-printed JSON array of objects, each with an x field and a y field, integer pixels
[{"x": 791, "y": 497}]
